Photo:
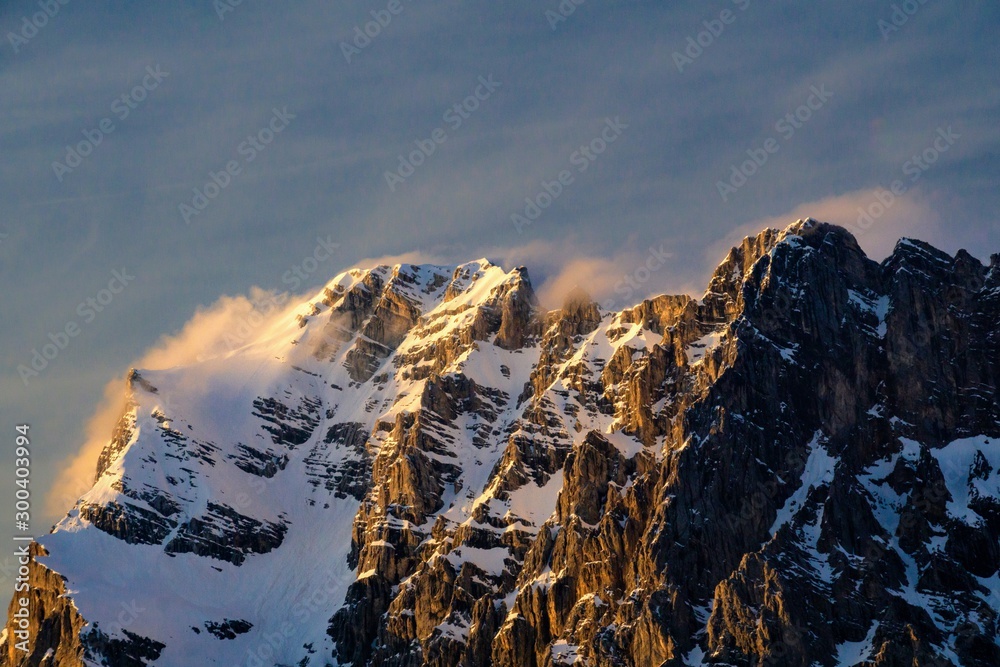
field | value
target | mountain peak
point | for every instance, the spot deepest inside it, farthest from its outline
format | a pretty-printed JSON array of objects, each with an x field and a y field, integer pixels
[{"x": 421, "y": 466}]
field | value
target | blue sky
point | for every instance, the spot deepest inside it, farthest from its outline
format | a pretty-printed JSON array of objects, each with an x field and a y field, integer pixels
[{"x": 684, "y": 122}]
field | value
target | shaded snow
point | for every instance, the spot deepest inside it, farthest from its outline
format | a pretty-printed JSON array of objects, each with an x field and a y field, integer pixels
[
  {"x": 817, "y": 472},
  {"x": 850, "y": 654},
  {"x": 956, "y": 461}
]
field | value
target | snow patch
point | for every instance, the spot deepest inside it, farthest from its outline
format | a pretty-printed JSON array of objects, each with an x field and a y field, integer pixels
[
  {"x": 697, "y": 350},
  {"x": 853, "y": 653},
  {"x": 957, "y": 460},
  {"x": 817, "y": 472}
]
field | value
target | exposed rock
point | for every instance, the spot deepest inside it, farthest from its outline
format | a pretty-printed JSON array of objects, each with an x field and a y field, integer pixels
[{"x": 800, "y": 468}]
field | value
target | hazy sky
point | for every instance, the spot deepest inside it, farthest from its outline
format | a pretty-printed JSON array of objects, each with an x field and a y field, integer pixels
[{"x": 834, "y": 100}]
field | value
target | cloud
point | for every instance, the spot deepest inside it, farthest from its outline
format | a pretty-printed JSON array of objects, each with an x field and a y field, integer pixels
[
  {"x": 888, "y": 219},
  {"x": 557, "y": 267},
  {"x": 78, "y": 470},
  {"x": 214, "y": 330},
  {"x": 597, "y": 276},
  {"x": 412, "y": 257},
  {"x": 617, "y": 281}
]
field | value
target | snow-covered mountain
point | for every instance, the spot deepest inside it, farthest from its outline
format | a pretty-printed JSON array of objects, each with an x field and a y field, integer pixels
[{"x": 420, "y": 466}]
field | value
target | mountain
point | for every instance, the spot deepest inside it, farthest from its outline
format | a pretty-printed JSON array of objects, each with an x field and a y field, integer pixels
[{"x": 421, "y": 466}]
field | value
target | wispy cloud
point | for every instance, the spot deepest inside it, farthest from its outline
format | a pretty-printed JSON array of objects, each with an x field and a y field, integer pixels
[
  {"x": 209, "y": 332},
  {"x": 656, "y": 186}
]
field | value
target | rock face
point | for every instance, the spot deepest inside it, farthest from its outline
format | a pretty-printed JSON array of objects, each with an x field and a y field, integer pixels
[{"x": 423, "y": 467}]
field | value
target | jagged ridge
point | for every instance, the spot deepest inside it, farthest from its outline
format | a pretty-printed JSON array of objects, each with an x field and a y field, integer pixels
[{"x": 420, "y": 466}]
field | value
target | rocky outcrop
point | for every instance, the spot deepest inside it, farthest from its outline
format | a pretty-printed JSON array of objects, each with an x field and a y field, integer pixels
[
  {"x": 808, "y": 328},
  {"x": 799, "y": 468},
  {"x": 51, "y": 633}
]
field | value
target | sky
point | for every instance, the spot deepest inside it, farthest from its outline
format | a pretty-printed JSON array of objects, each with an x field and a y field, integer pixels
[{"x": 173, "y": 163}]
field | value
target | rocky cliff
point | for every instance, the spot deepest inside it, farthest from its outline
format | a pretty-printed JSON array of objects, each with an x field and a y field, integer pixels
[{"x": 420, "y": 466}]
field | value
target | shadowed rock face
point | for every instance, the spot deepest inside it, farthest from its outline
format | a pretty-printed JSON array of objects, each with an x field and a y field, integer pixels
[
  {"x": 60, "y": 636},
  {"x": 800, "y": 468}
]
